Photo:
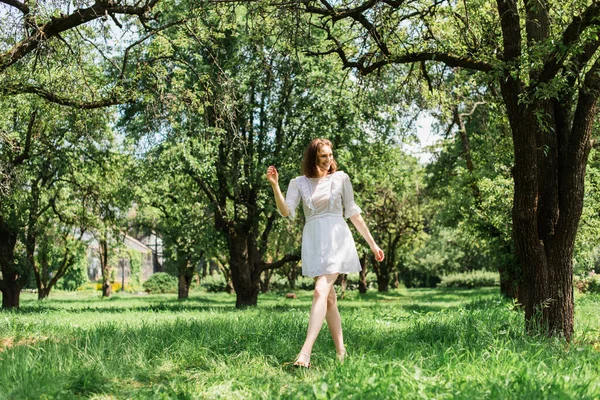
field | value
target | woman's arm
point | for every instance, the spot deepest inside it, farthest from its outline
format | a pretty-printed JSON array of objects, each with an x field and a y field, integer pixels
[
  {"x": 362, "y": 228},
  {"x": 273, "y": 178}
]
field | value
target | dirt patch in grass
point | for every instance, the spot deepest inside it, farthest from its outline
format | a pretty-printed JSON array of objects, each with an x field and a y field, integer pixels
[{"x": 9, "y": 343}]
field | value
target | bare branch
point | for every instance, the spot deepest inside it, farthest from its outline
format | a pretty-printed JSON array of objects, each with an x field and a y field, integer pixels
[{"x": 475, "y": 105}]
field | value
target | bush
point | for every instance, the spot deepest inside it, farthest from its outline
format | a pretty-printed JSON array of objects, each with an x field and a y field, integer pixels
[
  {"x": 587, "y": 284},
  {"x": 214, "y": 283},
  {"x": 161, "y": 282},
  {"x": 470, "y": 280}
]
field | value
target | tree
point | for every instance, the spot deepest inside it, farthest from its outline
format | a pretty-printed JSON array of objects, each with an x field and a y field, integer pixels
[
  {"x": 548, "y": 80},
  {"x": 469, "y": 185},
  {"x": 168, "y": 204},
  {"x": 44, "y": 150},
  {"x": 387, "y": 181}
]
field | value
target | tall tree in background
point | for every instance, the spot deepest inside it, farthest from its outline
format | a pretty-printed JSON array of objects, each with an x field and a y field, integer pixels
[
  {"x": 168, "y": 204},
  {"x": 469, "y": 183},
  {"x": 45, "y": 152},
  {"x": 53, "y": 51},
  {"x": 549, "y": 80},
  {"x": 387, "y": 182}
]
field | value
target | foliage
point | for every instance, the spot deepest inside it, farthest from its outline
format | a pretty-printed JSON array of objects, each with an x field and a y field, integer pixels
[
  {"x": 587, "y": 284},
  {"x": 161, "y": 282},
  {"x": 214, "y": 283},
  {"x": 76, "y": 276},
  {"x": 387, "y": 184},
  {"x": 405, "y": 344},
  {"x": 586, "y": 257},
  {"x": 470, "y": 280}
]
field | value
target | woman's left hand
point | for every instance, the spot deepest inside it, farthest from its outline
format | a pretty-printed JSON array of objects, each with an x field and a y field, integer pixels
[{"x": 379, "y": 256}]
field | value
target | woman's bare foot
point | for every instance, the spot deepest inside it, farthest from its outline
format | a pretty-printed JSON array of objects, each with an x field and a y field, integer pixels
[
  {"x": 341, "y": 356},
  {"x": 303, "y": 360}
]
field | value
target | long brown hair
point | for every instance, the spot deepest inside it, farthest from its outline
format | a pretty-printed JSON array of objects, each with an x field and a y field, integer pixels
[{"x": 309, "y": 163}]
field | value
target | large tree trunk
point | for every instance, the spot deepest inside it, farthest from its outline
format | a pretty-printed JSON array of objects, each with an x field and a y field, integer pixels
[
  {"x": 10, "y": 285},
  {"x": 184, "y": 285},
  {"x": 551, "y": 144},
  {"x": 545, "y": 219},
  {"x": 244, "y": 275},
  {"x": 11, "y": 291},
  {"x": 43, "y": 293}
]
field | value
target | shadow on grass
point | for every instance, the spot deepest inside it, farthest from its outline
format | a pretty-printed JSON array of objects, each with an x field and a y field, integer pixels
[{"x": 414, "y": 300}]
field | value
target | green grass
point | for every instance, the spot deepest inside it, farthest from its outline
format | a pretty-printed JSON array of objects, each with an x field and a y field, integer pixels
[{"x": 413, "y": 344}]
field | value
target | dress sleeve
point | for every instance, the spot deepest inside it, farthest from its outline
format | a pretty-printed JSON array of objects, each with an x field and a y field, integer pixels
[
  {"x": 292, "y": 198},
  {"x": 350, "y": 207}
]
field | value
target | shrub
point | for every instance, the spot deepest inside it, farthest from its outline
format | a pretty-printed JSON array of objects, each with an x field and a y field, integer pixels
[
  {"x": 469, "y": 280},
  {"x": 161, "y": 282},
  {"x": 587, "y": 284},
  {"x": 214, "y": 283}
]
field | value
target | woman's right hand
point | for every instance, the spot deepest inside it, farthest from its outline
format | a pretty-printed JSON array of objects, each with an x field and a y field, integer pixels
[
  {"x": 378, "y": 253},
  {"x": 272, "y": 175}
]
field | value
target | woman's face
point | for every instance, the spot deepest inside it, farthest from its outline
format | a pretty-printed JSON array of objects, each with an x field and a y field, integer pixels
[{"x": 324, "y": 158}]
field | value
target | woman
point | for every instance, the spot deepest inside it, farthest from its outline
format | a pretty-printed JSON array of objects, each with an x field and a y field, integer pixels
[{"x": 328, "y": 248}]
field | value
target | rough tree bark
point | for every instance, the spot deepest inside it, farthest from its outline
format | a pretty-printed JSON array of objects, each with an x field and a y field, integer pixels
[{"x": 10, "y": 285}]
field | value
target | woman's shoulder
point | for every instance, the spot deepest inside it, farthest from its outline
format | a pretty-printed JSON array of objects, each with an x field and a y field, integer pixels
[
  {"x": 298, "y": 181},
  {"x": 341, "y": 175}
]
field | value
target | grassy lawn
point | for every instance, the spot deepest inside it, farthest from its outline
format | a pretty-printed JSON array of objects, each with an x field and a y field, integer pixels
[{"x": 428, "y": 344}]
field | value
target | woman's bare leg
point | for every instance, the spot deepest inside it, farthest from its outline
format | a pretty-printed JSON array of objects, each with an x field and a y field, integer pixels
[
  {"x": 318, "y": 311},
  {"x": 334, "y": 322}
]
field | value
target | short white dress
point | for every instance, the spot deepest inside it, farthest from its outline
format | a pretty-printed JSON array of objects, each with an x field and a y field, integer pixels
[{"x": 327, "y": 243}]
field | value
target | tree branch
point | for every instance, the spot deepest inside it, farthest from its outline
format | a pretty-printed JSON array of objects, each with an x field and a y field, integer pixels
[
  {"x": 62, "y": 100},
  {"x": 572, "y": 33},
  {"x": 25, "y": 154},
  {"x": 277, "y": 264},
  {"x": 66, "y": 22},
  {"x": 17, "y": 4}
]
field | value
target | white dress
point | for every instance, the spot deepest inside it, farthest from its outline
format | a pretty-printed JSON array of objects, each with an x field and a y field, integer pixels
[{"x": 327, "y": 243}]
